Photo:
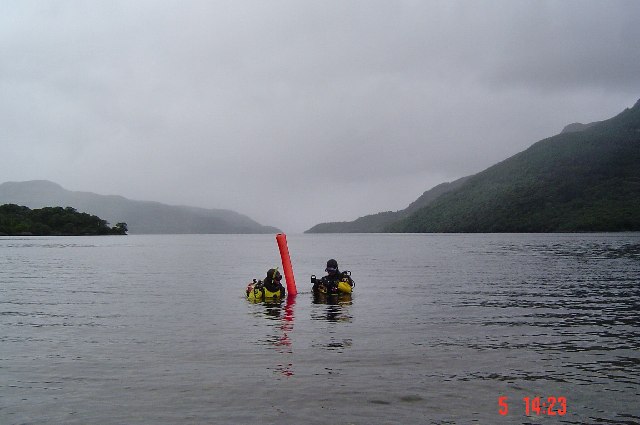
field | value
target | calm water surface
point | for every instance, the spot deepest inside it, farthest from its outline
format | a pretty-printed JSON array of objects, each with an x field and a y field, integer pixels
[{"x": 155, "y": 330}]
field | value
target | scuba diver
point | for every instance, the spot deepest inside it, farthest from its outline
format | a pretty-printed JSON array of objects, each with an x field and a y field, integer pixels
[
  {"x": 329, "y": 284},
  {"x": 270, "y": 287}
]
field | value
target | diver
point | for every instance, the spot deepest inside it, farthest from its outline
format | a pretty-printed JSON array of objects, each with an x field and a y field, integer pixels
[
  {"x": 270, "y": 287},
  {"x": 329, "y": 283}
]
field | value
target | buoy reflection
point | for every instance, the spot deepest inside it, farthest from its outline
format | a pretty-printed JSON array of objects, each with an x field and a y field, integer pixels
[{"x": 283, "y": 315}]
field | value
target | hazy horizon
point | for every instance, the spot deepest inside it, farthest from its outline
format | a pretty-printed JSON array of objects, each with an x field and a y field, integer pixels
[{"x": 296, "y": 113}]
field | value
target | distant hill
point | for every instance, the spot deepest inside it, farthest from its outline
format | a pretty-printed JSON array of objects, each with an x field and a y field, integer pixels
[
  {"x": 587, "y": 178},
  {"x": 142, "y": 217},
  {"x": 377, "y": 223},
  {"x": 584, "y": 179}
]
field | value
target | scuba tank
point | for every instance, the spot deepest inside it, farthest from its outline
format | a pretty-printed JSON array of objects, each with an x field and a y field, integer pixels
[{"x": 346, "y": 284}]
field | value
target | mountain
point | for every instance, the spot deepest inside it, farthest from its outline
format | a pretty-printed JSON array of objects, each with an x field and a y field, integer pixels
[
  {"x": 576, "y": 127},
  {"x": 377, "y": 223},
  {"x": 587, "y": 178},
  {"x": 142, "y": 217}
]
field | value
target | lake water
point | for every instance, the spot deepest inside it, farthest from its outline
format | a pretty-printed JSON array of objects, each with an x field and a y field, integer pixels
[{"x": 156, "y": 330}]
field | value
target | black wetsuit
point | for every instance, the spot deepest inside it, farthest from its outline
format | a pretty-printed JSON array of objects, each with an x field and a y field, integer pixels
[{"x": 330, "y": 282}]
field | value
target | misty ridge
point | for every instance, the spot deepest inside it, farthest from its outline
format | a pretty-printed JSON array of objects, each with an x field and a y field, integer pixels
[
  {"x": 142, "y": 217},
  {"x": 584, "y": 179}
]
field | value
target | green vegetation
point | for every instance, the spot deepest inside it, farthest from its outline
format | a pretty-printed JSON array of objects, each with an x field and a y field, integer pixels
[
  {"x": 374, "y": 223},
  {"x": 19, "y": 220},
  {"x": 378, "y": 223},
  {"x": 587, "y": 180}
]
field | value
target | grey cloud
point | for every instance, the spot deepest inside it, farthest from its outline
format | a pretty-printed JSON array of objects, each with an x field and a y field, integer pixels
[{"x": 237, "y": 104}]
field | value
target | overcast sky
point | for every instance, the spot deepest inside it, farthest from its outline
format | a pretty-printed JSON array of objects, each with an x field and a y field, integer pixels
[{"x": 298, "y": 112}]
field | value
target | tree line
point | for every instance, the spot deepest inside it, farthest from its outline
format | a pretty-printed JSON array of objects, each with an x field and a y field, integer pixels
[{"x": 16, "y": 220}]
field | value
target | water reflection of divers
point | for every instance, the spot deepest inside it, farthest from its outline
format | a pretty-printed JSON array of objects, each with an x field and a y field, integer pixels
[{"x": 337, "y": 309}]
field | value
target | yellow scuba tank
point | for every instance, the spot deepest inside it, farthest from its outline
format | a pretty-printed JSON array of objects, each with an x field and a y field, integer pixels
[
  {"x": 346, "y": 284},
  {"x": 344, "y": 287}
]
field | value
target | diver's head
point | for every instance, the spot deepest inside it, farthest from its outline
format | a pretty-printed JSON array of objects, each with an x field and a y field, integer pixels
[
  {"x": 332, "y": 266},
  {"x": 274, "y": 275}
]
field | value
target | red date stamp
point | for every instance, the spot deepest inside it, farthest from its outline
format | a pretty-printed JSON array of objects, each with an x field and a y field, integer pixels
[{"x": 549, "y": 406}]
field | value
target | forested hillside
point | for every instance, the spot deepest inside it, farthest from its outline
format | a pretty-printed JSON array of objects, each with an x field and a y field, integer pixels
[
  {"x": 376, "y": 223},
  {"x": 585, "y": 180},
  {"x": 19, "y": 220}
]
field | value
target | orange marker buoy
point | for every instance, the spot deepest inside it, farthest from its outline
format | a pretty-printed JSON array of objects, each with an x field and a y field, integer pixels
[{"x": 281, "y": 238}]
